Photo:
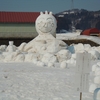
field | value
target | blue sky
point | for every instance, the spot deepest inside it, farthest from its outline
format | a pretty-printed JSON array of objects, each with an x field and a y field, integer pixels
[{"x": 50, "y": 5}]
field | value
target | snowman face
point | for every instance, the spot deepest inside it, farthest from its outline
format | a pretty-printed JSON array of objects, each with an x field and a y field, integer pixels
[{"x": 45, "y": 23}]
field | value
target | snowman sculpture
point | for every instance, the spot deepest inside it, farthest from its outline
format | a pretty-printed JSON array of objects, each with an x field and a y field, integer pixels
[
  {"x": 45, "y": 42},
  {"x": 45, "y": 49}
]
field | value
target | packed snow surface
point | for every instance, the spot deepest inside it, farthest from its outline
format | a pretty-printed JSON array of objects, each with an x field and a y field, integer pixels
[
  {"x": 76, "y": 35},
  {"x": 26, "y": 81},
  {"x": 26, "y": 75}
]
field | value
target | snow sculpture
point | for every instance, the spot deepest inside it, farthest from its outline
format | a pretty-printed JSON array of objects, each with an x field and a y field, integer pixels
[
  {"x": 3, "y": 48},
  {"x": 92, "y": 88},
  {"x": 44, "y": 50},
  {"x": 63, "y": 65},
  {"x": 28, "y": 57},
  {"x": 50, "y": 64},
  {"x": 63, "y": 55},
  {"x": 45, "y": 42},
  {"x": 21, "y": 47},
  {"x": 48, "y": 58},
  {"x": 97, "y": 80},
  {"x": 98, "y": 63},
  {"x": 95, "y": 55},
  {"x": 94, "y": 67},
  {"x": 39, "y": 63},
  {"x": 20, "y": 58},
  {"x": 79, "y": 47},
  {"x": 46, "y": 23},
  {"x": 11, "y": 47},
  {"x": 87, "y": 47}
]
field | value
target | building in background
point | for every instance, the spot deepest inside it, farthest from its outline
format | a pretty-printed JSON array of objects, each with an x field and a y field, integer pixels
[
  {"x": 17, "y": 26},
  {"x": 91, "y": 31}
]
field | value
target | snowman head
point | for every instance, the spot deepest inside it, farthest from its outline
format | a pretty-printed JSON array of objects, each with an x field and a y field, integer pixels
[{"x": 46, "y": 23}]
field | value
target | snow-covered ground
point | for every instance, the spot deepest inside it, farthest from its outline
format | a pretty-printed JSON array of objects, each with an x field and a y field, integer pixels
[
  {"x": 27, "y": 81},
  {"x": 76, "y": 35}
]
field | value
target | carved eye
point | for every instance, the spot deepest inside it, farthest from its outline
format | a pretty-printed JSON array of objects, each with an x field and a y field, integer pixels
[
  {"x": 41, "y": 22},
  {"x": 39, "y": 25},
  {"x": 52, "y": 25}
]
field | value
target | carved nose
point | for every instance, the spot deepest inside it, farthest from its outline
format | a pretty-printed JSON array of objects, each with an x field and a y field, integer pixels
[{"x": 45, "y": 24}]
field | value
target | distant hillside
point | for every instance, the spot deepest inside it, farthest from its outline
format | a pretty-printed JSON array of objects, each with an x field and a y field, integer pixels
[{"x": 81, "y": 19}]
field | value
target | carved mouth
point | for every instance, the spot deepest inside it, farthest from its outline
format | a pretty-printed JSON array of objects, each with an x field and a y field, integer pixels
[{"x": 44, "y": 31}]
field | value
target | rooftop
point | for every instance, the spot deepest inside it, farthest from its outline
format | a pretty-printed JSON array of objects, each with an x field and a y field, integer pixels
[{"x": 19, "y": 17}]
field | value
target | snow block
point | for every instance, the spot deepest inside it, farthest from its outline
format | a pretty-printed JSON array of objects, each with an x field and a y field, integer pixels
[{"x": 92, "y": 88}]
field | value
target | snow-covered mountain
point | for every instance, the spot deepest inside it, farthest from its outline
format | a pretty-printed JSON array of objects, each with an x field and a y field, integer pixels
[{"x": 82, "y": 19}]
